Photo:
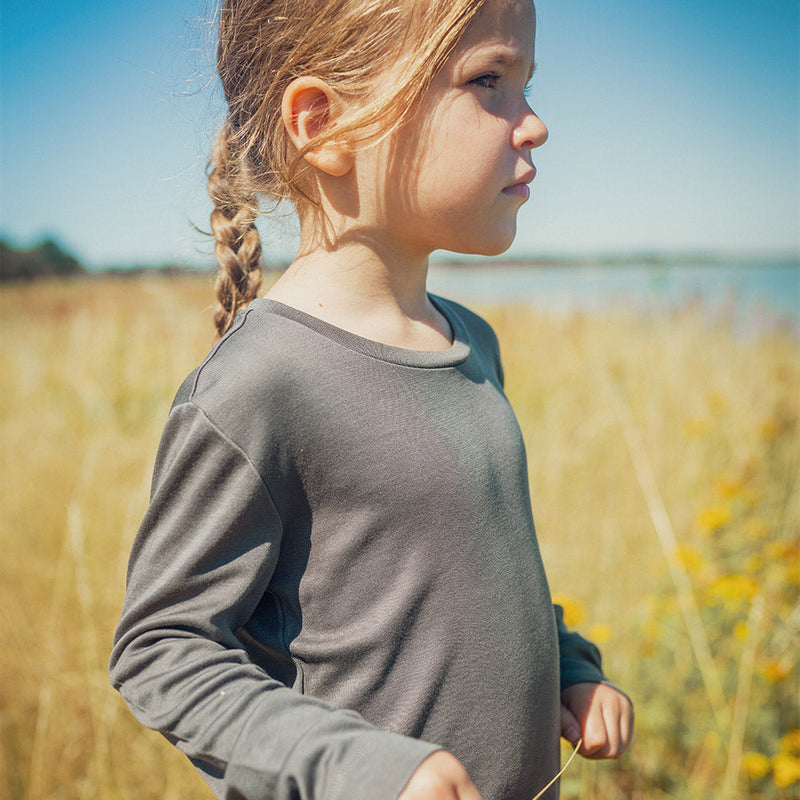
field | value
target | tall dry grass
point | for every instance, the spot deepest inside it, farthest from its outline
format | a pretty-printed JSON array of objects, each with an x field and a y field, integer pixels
[{"x": 664, "y": 466}]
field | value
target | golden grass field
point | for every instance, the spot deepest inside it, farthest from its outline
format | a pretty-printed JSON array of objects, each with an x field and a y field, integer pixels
[{"x": 664, "y": 459}]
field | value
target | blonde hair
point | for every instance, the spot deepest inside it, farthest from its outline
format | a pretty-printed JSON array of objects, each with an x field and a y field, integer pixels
[{"x": 350, "y": 44}]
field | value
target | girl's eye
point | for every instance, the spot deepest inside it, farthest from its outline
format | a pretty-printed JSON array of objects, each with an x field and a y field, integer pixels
[{"x": 487, "y": 81}]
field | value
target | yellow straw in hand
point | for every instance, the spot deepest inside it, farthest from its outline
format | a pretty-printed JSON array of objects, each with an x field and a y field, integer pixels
[{"x": 563, "y": 769}]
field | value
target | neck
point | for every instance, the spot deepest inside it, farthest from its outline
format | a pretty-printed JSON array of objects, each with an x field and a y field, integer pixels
[{"x": 367, "y": 287}]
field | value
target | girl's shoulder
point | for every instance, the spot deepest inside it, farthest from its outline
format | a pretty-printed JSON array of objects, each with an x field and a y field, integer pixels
[
  {"x": 248, "y": 385},
  {"x": 257, "y": 366},
  {"x": 478, "y": 329},
  {"x": 483, "y": 342},
  {"x": 256, "y": 347}
]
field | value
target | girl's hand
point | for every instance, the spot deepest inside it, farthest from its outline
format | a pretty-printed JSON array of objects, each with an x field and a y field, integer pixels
[
  {"x": 600, "y": 714},
  {"x": 440, "y": 776}
]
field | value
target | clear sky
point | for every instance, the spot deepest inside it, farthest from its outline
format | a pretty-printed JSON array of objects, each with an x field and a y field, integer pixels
[{"x": 674, "y": 125}]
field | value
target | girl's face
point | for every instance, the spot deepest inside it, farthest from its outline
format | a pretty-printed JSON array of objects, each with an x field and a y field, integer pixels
[{"x": 455, "y": 177}]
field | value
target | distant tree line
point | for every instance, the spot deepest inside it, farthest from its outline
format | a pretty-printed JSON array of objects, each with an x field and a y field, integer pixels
[{"x": 46, "y": 259}]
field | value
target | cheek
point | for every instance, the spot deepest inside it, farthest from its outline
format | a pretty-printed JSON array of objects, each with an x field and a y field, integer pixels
[
  {"x": 464, "y": 166},
  {"x": 453, "y": 169},
  {"x": 475, "y": 152}
]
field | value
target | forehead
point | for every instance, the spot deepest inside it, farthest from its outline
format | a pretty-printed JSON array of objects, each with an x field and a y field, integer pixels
[{"x": 509, "y": 24}]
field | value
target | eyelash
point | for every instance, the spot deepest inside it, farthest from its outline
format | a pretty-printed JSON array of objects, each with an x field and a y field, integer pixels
[{"x": 488, "y": 80}]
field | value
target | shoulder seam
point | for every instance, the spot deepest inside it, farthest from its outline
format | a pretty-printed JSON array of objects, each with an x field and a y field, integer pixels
[
  {"x": 224, "y": 436},
  {"x": 238, "y": 323}
]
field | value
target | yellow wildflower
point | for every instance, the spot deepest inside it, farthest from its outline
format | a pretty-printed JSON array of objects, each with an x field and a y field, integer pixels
[
  {"x": 717, "y": 401},
  {"x": 734, "y": 586},
  {"x": 728, "y": 486},
  {"x": 780, "y": 549},
  {"x": 740, "y": 631},
  {"x": 732, "y": 590},
  {"x": 573, "y": 610},
  {"x": 769, "y": 429},
  {"x": 714, "y": 518},
  {"x": 756, "y": 765},
  {"x": 695, "y": 428},
  {"x": 690, "y": 557},
  {"x": 788, "y": 555},
  {"x": 790, "y": 743},
  {"x": 600, "y": 633},
  {"x": 776, "y": 671},
  {"x": 785, "y": 769}
]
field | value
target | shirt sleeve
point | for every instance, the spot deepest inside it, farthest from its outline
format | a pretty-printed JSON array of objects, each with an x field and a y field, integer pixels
[
  {"x": 200, "y": 563},
  {"x": 580, "y": 660}
]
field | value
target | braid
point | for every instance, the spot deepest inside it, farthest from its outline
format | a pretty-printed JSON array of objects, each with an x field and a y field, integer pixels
[{"x": 238, "y": 248}]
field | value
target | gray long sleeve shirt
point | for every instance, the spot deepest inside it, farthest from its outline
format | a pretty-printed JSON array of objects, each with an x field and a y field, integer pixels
[{"x": 338, "y": 571}]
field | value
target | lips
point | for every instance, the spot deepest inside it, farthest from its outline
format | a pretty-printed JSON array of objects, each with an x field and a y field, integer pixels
[{"x": 520, "y": 188}]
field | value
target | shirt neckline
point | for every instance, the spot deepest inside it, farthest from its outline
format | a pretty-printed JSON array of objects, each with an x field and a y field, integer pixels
[{"x": 456, "y": 354}]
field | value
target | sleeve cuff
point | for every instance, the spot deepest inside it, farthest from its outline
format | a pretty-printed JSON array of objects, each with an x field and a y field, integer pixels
[
  {"x": 341, "y": 758},
  {"x": 580, "y": 660}
]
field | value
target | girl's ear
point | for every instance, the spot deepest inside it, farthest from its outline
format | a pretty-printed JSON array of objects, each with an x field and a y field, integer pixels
[{"x": 308, "y": 107}]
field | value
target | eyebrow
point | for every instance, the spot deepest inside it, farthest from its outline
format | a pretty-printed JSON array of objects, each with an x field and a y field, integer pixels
[{"x": 507, "y": 57}]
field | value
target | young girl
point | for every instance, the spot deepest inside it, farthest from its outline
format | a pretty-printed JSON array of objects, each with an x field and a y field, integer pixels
[{"x": 336, "y": 591}]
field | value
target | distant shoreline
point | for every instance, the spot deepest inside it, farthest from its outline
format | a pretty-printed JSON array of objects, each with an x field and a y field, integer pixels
[{"x": 638, "y": 260}]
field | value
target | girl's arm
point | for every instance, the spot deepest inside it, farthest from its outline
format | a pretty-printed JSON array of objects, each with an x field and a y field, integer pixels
[{"x": 201, "y": 562}]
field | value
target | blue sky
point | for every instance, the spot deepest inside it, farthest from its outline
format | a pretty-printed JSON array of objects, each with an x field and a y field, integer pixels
[{"x": 674, "y": 125}]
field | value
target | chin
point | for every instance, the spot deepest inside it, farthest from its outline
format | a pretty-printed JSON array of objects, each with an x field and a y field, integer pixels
[
  {"x": 492, "y": 238},
  {"x": 497, "y": 250},
  {"x": 488, "y": 246}
]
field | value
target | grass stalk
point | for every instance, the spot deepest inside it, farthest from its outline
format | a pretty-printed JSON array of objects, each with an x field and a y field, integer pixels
[
  {"x": 742, "y": 702},
  {"x": 562, "y": 770},
  {"x": 645, "y": 476},
  {"x": 39, "y": 749}
]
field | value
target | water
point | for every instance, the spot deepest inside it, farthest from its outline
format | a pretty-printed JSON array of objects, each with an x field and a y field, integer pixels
[{"x": 753, "y": 296}]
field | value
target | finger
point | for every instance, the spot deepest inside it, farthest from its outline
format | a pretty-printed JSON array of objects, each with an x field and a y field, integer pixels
[
  {"x": 570, "y": 727},
  {"x": 595, "y": 735},
  {"x": 625, "y": 726},
  {"x": 612, "y": 719},
  {"x": 469, "y": 792},
  {"x": 441, "y": 776}
]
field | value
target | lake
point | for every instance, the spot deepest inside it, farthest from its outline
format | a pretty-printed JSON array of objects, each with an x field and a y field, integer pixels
[{"x": 753, "y": 295}]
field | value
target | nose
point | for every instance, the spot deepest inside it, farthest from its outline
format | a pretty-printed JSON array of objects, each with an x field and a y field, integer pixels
[{"x": 530, "y": 131}]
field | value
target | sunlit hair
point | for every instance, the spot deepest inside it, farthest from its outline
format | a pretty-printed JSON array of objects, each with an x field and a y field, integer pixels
[{"x": 353, "y": 45}]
